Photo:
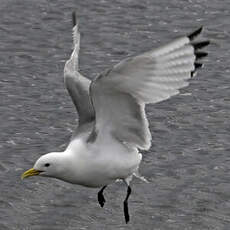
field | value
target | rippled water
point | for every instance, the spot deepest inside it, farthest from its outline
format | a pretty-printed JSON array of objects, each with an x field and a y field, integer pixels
[{"x": 188, "y": 164}]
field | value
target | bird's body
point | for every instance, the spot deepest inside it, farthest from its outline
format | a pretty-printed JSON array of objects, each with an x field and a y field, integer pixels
[
  {"x": 112, "y": 123},
  {"x": 113, "y": 161}
]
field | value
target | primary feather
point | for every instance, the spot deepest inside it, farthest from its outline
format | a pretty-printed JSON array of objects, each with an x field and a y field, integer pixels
[{"x": 119, "y": 95}]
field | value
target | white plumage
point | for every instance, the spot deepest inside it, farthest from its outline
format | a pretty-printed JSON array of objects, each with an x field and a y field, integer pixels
[{"x": 112, "y": 121}]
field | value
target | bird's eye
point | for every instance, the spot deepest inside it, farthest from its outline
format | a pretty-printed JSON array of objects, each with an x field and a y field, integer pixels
[{"x": 47, "y": 164}]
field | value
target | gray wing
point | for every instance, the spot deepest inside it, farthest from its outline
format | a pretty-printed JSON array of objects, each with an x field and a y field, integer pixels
[
  {"x": 76, "y": 84},
  {"x": 120, "y": 94}
]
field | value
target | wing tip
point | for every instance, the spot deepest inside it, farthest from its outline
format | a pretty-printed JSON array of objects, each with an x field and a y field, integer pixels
[
  {"x": 197, "y": 46},
  {"x": 74, "y": 18},
  {"x": 200, "y": 55},
  {"x": 195, "y": 33},
  {"x": 197, "y": 65},
  {"x": 200, "y": 45}
]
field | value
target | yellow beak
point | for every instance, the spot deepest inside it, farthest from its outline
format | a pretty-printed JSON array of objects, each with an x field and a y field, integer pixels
[{"x": 30, "y": 172}]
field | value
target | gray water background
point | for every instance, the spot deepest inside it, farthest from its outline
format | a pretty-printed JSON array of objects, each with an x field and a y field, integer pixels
[{"x": 188, "y": 164}]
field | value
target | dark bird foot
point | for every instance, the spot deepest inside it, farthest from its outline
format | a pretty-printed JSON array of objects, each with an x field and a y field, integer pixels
[
  {"x": 126, "y": 208},
  {"x": 100, "y": 197},
  {"x": 126, "y": 212}
]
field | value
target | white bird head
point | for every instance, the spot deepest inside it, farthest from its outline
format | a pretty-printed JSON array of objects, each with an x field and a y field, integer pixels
[{"x": 48, "y": 165}]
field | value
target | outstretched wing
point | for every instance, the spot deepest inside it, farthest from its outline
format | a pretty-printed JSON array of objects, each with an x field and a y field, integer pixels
[
  {"x": 119, "y": 95},
  {"x": 76, "y": 84}
]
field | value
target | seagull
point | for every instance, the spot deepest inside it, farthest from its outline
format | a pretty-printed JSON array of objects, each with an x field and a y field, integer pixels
[{"x": 113, "y": 127}]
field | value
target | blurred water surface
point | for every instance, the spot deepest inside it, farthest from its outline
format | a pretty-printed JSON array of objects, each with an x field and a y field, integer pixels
[{"x": 188, "y": 164}]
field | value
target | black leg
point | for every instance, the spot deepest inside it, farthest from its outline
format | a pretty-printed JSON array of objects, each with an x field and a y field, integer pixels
[
  {"x": 126, "y": 208},
  {"x": 100, "y": 197}
]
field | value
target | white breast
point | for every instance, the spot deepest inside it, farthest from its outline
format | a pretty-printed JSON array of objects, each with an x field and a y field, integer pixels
[{"x": 98, "y": 164}]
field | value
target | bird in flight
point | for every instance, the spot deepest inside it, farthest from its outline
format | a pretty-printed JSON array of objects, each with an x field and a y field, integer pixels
[{"x": 112, "y": 122}]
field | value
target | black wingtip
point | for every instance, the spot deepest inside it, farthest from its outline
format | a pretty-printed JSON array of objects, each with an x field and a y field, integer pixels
[
  {"x": 197, "y": 46},
  {"x": 195, "y": 33},
  {"x": 198, "y": 65},
  {"x": 193, "y": 73},
  {"x": 200, "y": 45},
  {"x": 74, "y": 20},
  {"x": 200, "y": 55}
]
